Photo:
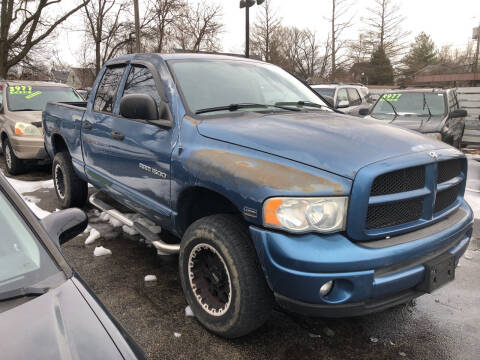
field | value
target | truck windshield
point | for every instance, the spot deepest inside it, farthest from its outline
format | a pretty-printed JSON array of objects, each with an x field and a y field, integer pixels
[
  {"x": 219, "y": 83},
  {"x": 24, "y": 262},
  {"x": 410, "y": 103},
  {"x": 35, "y": 98}
]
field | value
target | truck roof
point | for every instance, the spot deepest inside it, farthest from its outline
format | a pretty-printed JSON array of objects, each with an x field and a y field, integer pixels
[
  {"x": 34, "y": 83},
  {"x": 180, "y": 56}
]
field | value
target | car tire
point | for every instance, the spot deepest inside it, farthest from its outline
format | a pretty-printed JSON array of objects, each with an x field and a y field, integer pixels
[
  {"x": 70, "y": 189},
  {"x": 14, "y": 165},
  {"x": 221, "y": 277}
]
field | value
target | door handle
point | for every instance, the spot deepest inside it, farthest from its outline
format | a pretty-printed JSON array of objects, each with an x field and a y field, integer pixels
[
  {"x": 117, "y": 135},
  {"x": 87, "y": 125}
]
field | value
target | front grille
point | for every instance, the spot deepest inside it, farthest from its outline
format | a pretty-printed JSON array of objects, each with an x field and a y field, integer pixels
[
  {"x": 395, "y": 213},
  {"x": 445, "y": 198},
  {"x": 447, "y": 170},
  {"x": 399, "y": 181}
]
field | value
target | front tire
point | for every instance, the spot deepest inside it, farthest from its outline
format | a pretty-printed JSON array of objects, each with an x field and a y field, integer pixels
[
  {"x": 70, "y": 189},
  {"x": 14, "y": 165},
  {"x": 221, "y": 277}
]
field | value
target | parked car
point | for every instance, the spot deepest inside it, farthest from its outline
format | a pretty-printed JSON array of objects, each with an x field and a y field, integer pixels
[
  {"x": 273, "y": 195},
  {"x": 348, "y": 98},
  {"x": 433, "y": 112},
  {"x": 21, "y": 106},
  {"x": 46, "y": 310},
  {"x": 84, "y": 93}
]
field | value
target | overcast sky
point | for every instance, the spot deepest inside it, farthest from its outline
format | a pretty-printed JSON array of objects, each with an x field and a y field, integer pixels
[{"x": 447, "y": 22}]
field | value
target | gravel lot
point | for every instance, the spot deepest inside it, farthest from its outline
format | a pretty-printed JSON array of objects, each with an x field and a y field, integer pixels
[{"x": 444, "y": 325}]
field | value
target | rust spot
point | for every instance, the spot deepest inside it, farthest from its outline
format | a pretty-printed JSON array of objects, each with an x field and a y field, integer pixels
[
  {"x": 191, "y": 120},
  {"x": 247, "y": 171}
]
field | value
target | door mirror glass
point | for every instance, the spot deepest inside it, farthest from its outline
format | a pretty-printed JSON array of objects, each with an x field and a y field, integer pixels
[
  {"x": 363, "y": 111},
  {"x": 65, "y": 225},
  {"x": 139, "y": 106},
  {"x": 342, "y": 104},
  {"x": 459, "y": 113}
]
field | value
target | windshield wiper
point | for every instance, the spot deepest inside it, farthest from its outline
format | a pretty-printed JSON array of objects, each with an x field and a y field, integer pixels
[
  {"x": 231, "y": 107},
  {"x": 425, "y": 104},
  {"x": 301, "y": 103},
  {"x": 393, "y": 107},
  {"x": 21, "y": 292}
]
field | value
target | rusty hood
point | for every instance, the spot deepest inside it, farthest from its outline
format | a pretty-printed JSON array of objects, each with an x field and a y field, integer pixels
[{"x": 340, "y": 144}]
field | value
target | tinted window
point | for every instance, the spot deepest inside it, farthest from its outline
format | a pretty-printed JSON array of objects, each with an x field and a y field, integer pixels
[
  {"x": 325, "y": 91},
  {"x": 104, "y": 100},
  {"x": 23, "y": 260},
  {"x": 140, "y": 81},
  {"x": 354, "y": 97},
  {"x": 35, "y": 98},
  {"x": 342, "y": 95}
]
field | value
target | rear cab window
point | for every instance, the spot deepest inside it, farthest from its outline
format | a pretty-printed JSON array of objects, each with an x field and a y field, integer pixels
[
  {"x": 354, "y": 97},
  {"x": 107, "y": 89},
  {"x": 342, "y": 95}
]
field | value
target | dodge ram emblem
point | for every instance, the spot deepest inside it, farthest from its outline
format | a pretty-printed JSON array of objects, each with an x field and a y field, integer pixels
[{"x": 433, "y": 154}]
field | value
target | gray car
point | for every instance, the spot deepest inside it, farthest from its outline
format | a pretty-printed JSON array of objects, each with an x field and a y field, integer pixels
[
  {"x": 21, "y": 106},
  {"x": 347, "y": 98}
]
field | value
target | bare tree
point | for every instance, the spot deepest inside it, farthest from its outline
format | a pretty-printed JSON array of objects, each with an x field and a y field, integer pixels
[
  {"x": 338, "y": 25},
  {"x": 164, "y": 17},
  {"x": 385, "y": 28},
  {"x": 106, "y": 28},
  {"x": 265, "y": 32},
  {"x": 198, "y": 27},
  {"x": 24, "y": 25}
]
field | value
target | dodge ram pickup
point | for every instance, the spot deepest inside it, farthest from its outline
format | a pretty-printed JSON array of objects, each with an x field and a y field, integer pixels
[{"x": 273, "y": 196}]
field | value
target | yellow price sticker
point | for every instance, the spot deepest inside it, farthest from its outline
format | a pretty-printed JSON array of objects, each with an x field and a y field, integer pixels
[
  {"x": 390, "y": 97},
  {"x": 20, "y": 89}
]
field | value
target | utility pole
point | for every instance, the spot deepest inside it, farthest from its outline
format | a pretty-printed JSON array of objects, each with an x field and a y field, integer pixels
[
  {"x": 247, "y": 4},
  {"x": 137, "y": 25}
]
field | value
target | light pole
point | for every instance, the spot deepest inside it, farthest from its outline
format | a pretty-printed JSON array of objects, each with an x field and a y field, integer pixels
[
  {"x": 247, "y": 4},
  {"x": 137, "y": 25}
]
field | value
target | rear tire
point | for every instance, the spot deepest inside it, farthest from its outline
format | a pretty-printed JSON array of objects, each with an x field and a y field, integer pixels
[
  {"x": 221, "y": 277},
  {"x": 14, "y": 165},
  {"x": 70, "y": 189}
]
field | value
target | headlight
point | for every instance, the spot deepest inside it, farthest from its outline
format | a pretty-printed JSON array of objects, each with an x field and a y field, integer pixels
[
  {"x": 436, "y": 136},
  {"x": 322, "y": 214},
  {"x": 27, "y": 129}
]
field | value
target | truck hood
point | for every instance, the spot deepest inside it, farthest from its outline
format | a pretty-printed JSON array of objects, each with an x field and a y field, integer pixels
[
  {"x": 57, "y": 325},
  {"x": 418, "y": 123},
  {"x": 24, "y": 116},
  {"x": 340, "y": 144}
]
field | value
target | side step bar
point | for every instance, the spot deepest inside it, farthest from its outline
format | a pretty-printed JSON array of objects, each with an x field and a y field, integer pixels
[{"x": 150, "y": 238}]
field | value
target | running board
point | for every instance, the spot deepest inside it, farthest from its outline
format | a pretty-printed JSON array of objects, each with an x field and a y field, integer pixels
[{"x": 150, "y": 238}]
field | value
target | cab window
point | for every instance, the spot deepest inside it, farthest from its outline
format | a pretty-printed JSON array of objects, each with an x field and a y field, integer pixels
[
  {"x": 107, "y": 90},
  {"x": 140, "y": 81},
  {"x": 342, "y": 95}
]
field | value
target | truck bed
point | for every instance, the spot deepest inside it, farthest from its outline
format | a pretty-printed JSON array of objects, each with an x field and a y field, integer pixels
[{"x": 65, "y": 118}]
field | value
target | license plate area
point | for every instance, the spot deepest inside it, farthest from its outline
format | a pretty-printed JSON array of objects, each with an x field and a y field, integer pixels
[{"x": 438, "y": 272}]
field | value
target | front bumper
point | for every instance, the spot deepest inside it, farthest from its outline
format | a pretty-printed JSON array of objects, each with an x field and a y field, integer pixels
[
  {"x": 28, "y": 147},
  {"x": 368, "y": 276}
]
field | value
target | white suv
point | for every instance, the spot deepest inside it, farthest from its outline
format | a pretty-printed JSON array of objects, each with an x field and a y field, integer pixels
[{"x": 348, "y": 98}]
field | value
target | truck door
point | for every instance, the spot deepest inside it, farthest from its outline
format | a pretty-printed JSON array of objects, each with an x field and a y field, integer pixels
[
  {"x": 96, "y": 127},
  {"x": 139, "y": 161}
]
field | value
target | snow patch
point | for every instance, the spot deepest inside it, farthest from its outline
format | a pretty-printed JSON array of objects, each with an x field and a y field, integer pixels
[
  {"x": 23, "y": 187},
  {"x": 101, "y": 251},
  {"x": 150, "y": 278},
  {"x": 129, "y": 230},
  {"x": 473, "y": 199},
  {"x": 189, "y": 312},
  {"x": 114, "y": 222},
  {"x": 176, "y": 334},
  {"x": 94, "y": 235}
]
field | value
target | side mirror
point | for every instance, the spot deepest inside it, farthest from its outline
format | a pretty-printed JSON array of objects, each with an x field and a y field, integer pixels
[
  {"x": 64, "y": 225},
  {"x": 343, "y": 104},
  {"x": 138, "y": 106},
  {"x": 459, "y": 113},
  {"x": 364, "y": 111}
]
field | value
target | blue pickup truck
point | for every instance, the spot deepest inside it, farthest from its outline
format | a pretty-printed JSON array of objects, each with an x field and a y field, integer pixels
[{"x": 273, "y": 196}]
